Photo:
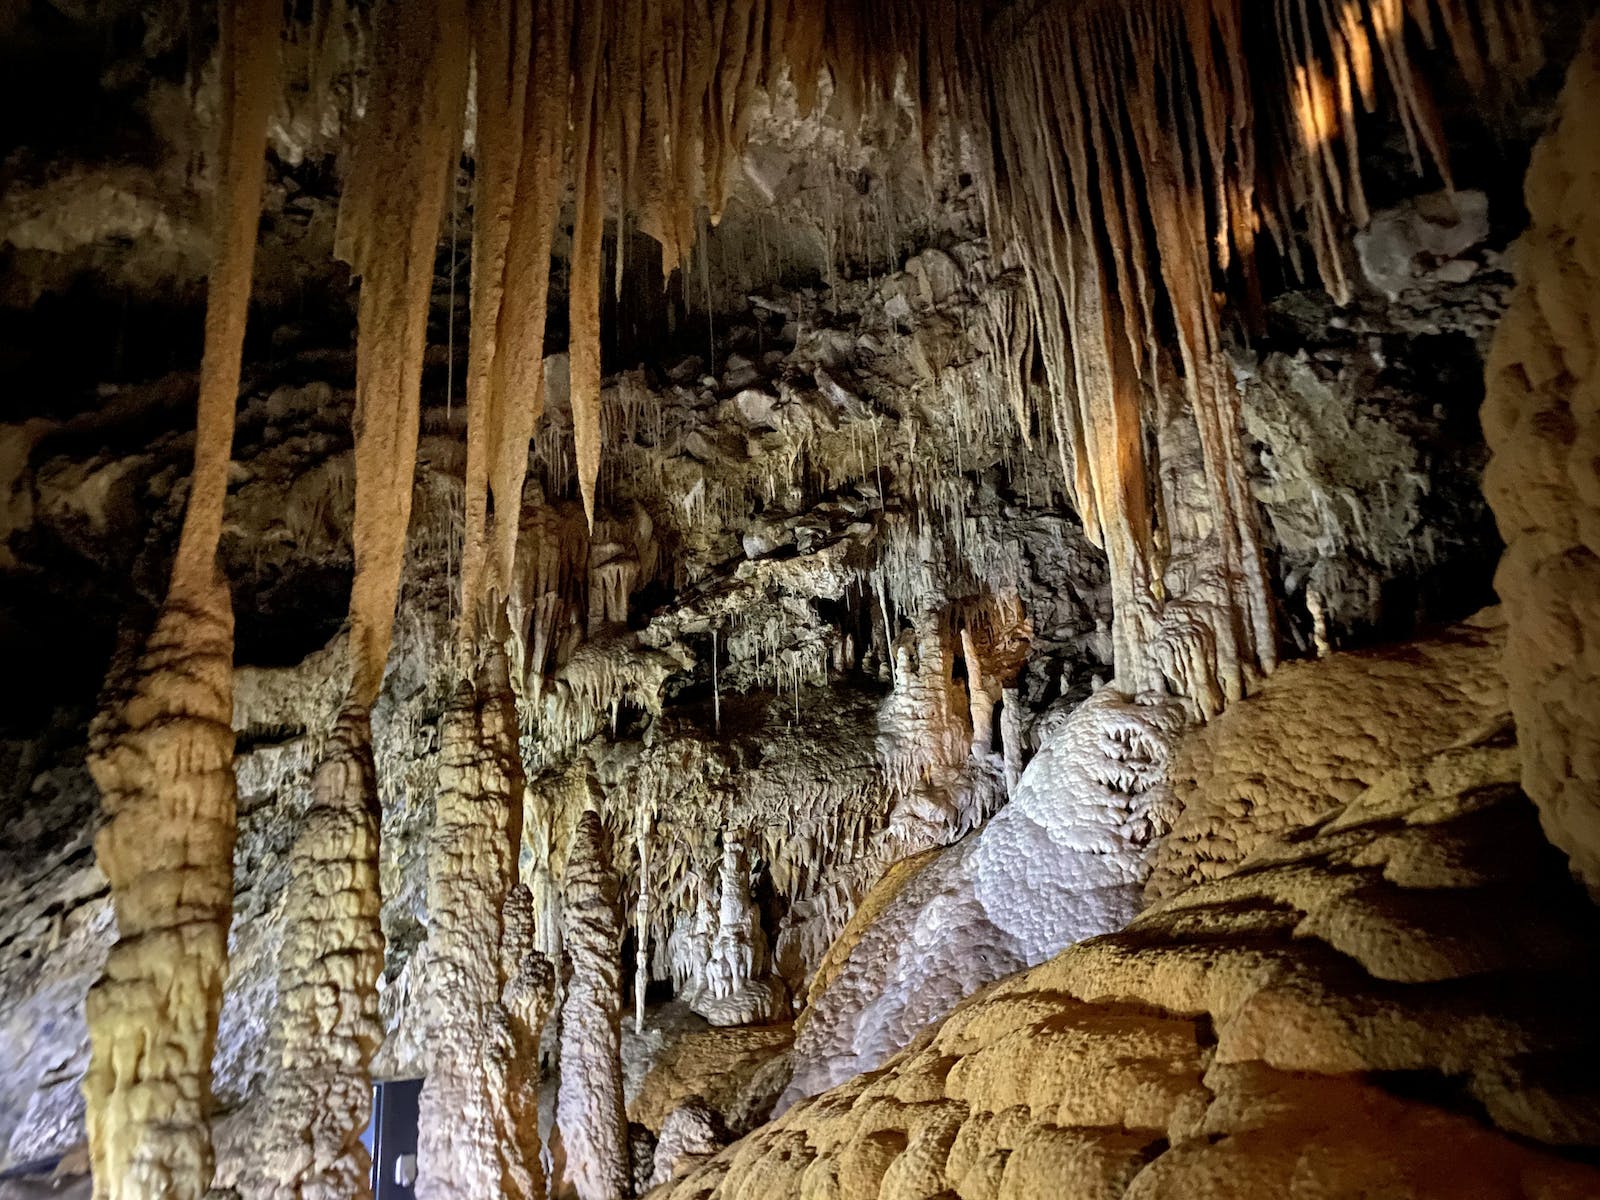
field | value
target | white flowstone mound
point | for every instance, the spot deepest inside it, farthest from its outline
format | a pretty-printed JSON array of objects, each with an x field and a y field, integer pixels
[{"x": 1065, "y": 860}]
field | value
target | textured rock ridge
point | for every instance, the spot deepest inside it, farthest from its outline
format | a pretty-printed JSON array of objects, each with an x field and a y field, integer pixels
[
  {"x": 163, "y": 760},
  {"x": 1314, "y": 736}
]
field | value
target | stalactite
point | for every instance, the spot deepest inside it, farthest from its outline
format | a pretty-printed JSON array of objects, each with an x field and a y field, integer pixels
[
  {"x": 468, "y": 1139},
  {"x": 501, "y": 48},
  {"x": 162, "y": 754},
  {"x": 326, "y": 1026},
  {"x": 583, "y": 302},
  {"x": 1112, "y": 121},
  {"x": 403, "y": 160},
  {"x": 589, "y": 1109},
  {"x": 518, "y": 375},
  {"x": 405, "y": 153}
]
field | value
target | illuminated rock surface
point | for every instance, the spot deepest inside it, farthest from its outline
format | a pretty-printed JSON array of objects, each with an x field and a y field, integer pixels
[{"x": 928, "y": 568}]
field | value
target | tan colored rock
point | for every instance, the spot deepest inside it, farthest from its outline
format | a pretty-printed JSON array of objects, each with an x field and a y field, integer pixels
[
  {"x": 716, "y": 1065},
  {"x": 326, "y": 1028},
  {"x": 471, "y": 1133},
  {"x": 1541, "y": 416},
  {"x": 326, "y": 1024},
  {"x": 529, "y": 997},
  {"x": 1249, "y": 1038},
  {"x": 589, "y": 1105},
  {"x": 163, "y": 760},
  {"x": 162, "y": 755},
  {"x": 1314, "y": 735}
]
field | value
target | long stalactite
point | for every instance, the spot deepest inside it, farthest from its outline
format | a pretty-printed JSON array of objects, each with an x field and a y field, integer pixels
[
  {"x": 1128, "y": 153},
  {"x": 502, "y": 44},
  {"x": 162, "y": 754}
]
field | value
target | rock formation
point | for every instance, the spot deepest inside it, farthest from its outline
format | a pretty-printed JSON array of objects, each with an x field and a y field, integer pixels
[
  {"x": 734, "y": 988},
  {"x": 529, "y": 997},
  {"x": 1064, "y": 860},
  {"x": 927, "y": 550},
  {"x": 165, "y": 772},
  {"x": 326, "y": 1022},
  {"x": 1316, "y": 735},
  {"x": 589, "y": 1107},
  {"x": 1540, "y": 419},
  {"x": 689, "y": 1134},
  {"x": 162, "y": 754},
  {"x": 395, "y": 197},
  {"x": 471, "y": 1136},
  {"x": 1235, "y": 1040}
]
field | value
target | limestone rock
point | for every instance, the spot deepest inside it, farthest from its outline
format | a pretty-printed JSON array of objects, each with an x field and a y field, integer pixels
[
  {"x": 1268, "y": 1034},
  {"x": 1542, "y": 420},
  {"x": 1314, "y": 735},
  {"x": 1065, "y": 860}
]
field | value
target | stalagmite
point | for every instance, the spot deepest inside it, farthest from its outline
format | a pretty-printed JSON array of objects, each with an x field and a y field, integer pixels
[
  {"x": 389, "y": 222},
  {"x": 980, "y": 698},
  {"x": 735, "y": 990},
  {"x": 326, "y": 1026},
  {"x": 162, "y": 754},
  {"x": 641, "y": 918},
  {"x": 162, "y": 759},
  {"x": 468, "y": 1129},
  {"x": 1011, "y": 736},
  {"x": 528, "y": 997},
  {"x": 589, "y": 1109}
]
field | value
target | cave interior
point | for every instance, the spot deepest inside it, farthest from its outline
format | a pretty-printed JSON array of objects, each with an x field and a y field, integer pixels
[{"x": 799, "y": 599}]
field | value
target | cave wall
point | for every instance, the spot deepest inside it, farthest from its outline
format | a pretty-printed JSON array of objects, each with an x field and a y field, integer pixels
[{"x": 1541, "y": 418}]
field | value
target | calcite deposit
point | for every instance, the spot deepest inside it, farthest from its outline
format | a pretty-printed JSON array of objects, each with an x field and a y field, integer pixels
[
  {"x": 589, "y": 1108},
  {"x": 1237, "y": 1039},
  {"x": 1541, "y": 421},
  {"x": 818, "y": 598}
]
